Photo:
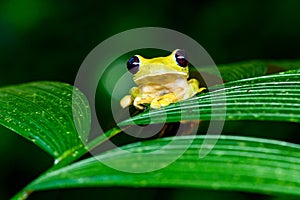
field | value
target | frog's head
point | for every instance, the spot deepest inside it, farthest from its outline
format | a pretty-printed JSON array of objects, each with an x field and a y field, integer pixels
[{"x": 161, "y": 70}]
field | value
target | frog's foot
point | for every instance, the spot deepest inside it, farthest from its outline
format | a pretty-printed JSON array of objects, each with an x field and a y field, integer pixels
[
  {"x": 194, "y": 87},
  {"x": 139, "y": 101},
  {"x": 201, "y": 89},
  {"x": 126, "y": 101},
  {"x": 135, "y": 91},
  {"x": 164, "y": 100}
]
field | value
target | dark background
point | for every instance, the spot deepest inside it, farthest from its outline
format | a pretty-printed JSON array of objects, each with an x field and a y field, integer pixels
[{"x": 48, "y": 40}]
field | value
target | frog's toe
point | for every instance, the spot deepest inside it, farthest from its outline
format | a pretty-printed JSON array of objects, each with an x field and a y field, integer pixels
[
  {"x": 201, "y": 89},
  {"x": 164, "y": 102},
  {"x": 126, "y": 101},
  {"x": 155, "y": 103},
  {"x": 139, "y": 106},
  {"x": 138, "y": 102}
]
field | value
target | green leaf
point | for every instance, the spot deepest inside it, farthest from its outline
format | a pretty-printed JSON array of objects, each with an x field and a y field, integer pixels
[
  {"x": 272, "y": 97},
  {"x": 237, "y": 71},
  {"x": 249, "y": 69},
  {"x": 283, "y": 65},
  {"x": 235, "y": 163},
  {"x": 42, "y": 113}
]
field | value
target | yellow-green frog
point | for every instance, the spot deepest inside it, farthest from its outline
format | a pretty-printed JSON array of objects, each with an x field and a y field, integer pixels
[{"x": 160, "y": 81}]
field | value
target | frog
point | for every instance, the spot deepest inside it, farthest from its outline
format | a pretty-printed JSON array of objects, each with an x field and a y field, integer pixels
[{"x": 160, "y": 81}]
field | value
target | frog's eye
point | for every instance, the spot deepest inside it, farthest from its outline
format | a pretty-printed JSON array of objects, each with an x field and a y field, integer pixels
[
  {"x": 133, "y": 64},
  {"x": 181, "y": 58}
]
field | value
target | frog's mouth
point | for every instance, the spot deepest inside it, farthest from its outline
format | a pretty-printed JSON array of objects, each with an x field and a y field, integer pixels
[{"x": 160, "y": 78}]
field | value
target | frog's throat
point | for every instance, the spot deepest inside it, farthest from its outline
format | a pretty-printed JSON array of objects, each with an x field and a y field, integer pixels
[{"x": 147, "y": 76}]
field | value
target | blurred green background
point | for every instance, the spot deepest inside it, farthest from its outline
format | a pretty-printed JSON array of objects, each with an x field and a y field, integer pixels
[{"x": 48, "y": 40}]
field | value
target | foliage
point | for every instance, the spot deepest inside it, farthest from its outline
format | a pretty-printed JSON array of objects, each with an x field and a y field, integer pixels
[{"x": 42, "y": 112}]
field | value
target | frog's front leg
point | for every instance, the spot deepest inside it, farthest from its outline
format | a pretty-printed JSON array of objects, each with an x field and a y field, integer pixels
[
  {"x": 129, "y": 99},
  {"x": 140, "y": 100},
  {"x": 194, "y": 87},
  {"x": 126, "y": 101},
  {"x": 163, "y": 100}
]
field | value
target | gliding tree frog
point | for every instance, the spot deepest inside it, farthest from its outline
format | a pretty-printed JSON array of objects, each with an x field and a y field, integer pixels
[{"x": 160, "y": 81}]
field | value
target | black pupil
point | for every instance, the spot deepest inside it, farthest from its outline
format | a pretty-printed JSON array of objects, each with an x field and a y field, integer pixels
[
  {"x": 133, "y": 64},
  {"x": 181, "y": 58}
]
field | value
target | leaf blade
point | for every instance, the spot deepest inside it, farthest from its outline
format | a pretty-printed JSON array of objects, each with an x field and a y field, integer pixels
[
  {"x": 236, "y": 163},
  {"x": 248, "y": 69},
  {"x": 272, "y": 97},
  {"x": 42, "y": 113}
]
